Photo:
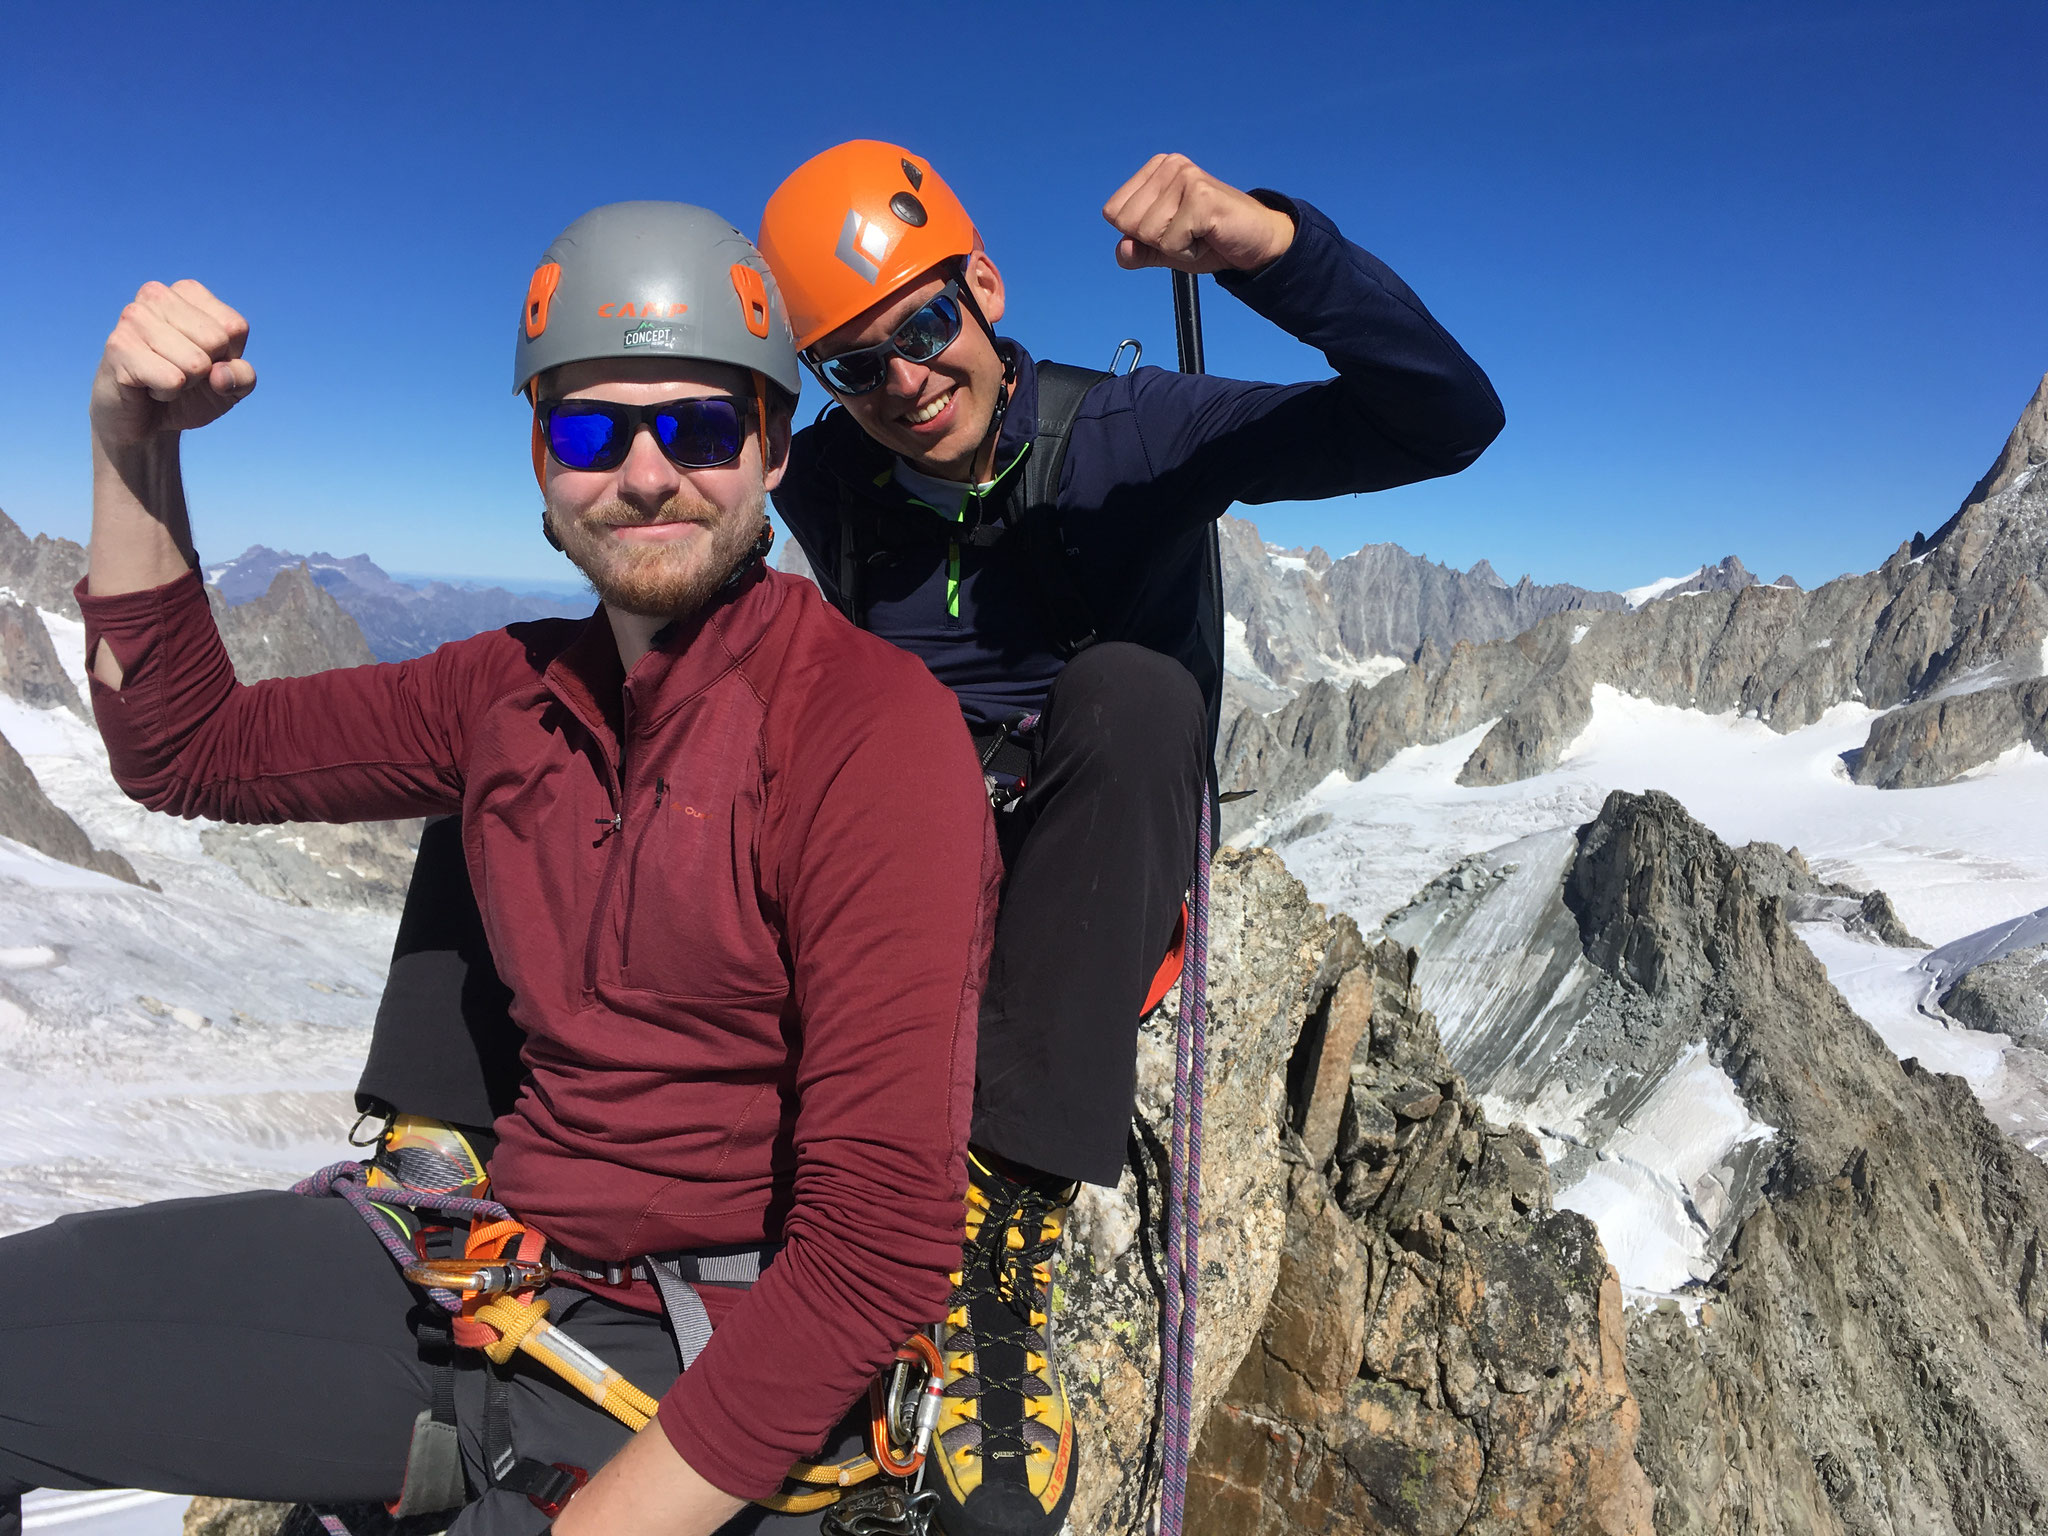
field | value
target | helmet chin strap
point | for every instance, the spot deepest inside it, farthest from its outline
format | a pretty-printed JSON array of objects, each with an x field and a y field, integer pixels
[
  {"x": 746, "y": 562},
  {"x": 540, "y": 466},
  {"x": 987, "y": 448}
]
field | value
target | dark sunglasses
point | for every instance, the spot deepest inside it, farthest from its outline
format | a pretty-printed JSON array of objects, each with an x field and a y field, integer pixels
[
  {"x": 919, "y": 339},
  {"x": 698, "y": 432}
]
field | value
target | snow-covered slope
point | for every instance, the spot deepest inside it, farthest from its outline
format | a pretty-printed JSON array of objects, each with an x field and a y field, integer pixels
[
  {"x": 1647, "y": 1147},
  {"x": 181, "y": 1041},
  {"x": 1955, "y": 859},
  {"x": 1651, "y": 590}
]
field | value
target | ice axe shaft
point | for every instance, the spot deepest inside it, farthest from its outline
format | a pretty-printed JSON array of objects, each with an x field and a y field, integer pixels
[{"x": 1187, "y": 321}]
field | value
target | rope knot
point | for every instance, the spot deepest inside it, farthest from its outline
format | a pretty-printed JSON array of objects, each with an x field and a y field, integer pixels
[{"x": 513, "y": 1319}]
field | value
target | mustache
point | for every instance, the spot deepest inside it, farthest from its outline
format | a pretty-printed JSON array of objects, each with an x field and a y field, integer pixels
[{"x": 677, "y": 509}]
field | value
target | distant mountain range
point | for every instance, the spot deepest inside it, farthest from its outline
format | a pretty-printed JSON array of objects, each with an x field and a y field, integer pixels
[
  {"x": 1951, "y": 627},
  {"x": 398, "y": 619},
  {"x": 1295, "y": 617}
]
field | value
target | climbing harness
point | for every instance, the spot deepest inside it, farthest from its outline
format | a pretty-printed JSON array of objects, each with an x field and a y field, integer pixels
[{"x": 491, "y": 1293}]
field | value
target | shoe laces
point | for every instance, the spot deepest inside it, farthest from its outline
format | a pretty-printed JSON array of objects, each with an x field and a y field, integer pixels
[{"x": 1009, "y": 1275}]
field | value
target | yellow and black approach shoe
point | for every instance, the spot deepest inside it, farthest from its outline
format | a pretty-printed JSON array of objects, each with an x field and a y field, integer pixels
[
  {"x": 1005, "y": 1438},
  {"x": 430, "y": 1156}
]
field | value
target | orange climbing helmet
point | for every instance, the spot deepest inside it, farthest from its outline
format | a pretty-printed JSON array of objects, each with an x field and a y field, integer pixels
[{"x": 849, "y": 227}]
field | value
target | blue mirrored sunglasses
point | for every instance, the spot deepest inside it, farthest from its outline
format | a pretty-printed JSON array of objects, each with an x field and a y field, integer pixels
[
  {"x": 927, "y": 333},
  {"x": 698, "y": 432}
]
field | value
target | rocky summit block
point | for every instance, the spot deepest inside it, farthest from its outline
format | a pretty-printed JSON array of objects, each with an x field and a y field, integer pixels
[
  {"x": 2008, "y": 995},
  {"x": 1444, "y": 1350},
  {"x": 40, "y": 570},
  {"x": 294, "y": 629}
]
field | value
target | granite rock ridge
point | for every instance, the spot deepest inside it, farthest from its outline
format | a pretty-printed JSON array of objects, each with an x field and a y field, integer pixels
[
  {"x": 1307, "y": 616},
  {"x": 1872, "y": 1351},
  {"x": 1445, "y": 1350}
]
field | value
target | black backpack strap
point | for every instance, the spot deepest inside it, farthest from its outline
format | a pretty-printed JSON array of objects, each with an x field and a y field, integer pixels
[
  {"x": 1032, "y": 515},
  {"x": 856, "y": 539},
  {"x": 855, "y": 458},
  {"x": 1070, "y": 620}
]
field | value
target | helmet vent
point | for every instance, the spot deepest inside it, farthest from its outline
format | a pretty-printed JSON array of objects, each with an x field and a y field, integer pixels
[
  {"x": 913, "y": 175},
  {"x": 908, "y": 209},
  {"x": 540, "y": 298},
  {"x": 753, "y": 296}
]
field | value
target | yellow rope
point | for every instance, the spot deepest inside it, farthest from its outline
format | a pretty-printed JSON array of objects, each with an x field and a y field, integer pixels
[{"x": 523, "y": 1325}]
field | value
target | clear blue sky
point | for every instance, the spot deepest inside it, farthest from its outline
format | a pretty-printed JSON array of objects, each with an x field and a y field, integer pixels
[{"x": 1765, "y": 279}]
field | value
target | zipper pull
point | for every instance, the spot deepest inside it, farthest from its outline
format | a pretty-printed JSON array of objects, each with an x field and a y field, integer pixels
[
  {"x": 660, "y": 790},
  {"x": 611, "y": 824}
]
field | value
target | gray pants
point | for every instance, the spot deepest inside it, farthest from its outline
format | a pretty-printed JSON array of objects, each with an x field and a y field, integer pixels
[{"x": 259, "y": 1346}]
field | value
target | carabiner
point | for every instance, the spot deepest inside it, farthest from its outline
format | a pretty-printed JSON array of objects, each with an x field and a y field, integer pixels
[{"x": 484, "y": 1279}]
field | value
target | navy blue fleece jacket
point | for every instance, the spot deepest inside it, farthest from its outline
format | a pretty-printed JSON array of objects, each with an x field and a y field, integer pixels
[{"x": 1154, "y": 456}]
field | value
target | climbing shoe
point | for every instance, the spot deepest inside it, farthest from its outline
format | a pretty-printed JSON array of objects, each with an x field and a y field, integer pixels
[
  {"x": 432, "y": 1156},
  {"x": 1005, "y": 1438}
]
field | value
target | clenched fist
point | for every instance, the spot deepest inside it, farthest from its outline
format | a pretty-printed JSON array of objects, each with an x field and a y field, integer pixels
[
  {"x": 1175, "y": 214},
  {"x": 174, "y": 362}
]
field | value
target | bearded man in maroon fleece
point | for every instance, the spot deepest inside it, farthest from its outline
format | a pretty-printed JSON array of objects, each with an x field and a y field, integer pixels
[{"x": 734, "y": 860}]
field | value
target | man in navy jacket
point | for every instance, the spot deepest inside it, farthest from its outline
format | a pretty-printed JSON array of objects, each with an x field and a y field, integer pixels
[{"x": 1068, "y": 620}]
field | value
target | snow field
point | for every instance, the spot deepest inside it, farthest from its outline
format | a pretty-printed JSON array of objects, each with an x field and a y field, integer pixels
[
  {"x": 1955, "y": 860},
  {"x": 1635, "y": 597},
  {"x": 1658, "y": 1185},
  {"x": 192, "y": 1040}
]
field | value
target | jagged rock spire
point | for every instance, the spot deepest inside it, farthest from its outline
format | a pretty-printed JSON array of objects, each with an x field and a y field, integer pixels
[{"x": 2025, "y": 449}]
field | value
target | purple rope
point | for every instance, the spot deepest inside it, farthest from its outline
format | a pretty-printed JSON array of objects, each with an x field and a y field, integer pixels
[
  {"x": 348, "y": 1180},
  {"x": 1184, "y": 1198}
]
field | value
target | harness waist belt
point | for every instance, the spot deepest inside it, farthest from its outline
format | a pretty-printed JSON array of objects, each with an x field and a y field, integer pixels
[{"x": 676, "y": 1276}]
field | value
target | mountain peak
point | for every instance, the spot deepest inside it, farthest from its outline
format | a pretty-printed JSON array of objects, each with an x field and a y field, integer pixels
[
  {"x": 2025, "y": 451},
  {"x": 1483, "y": 571}
]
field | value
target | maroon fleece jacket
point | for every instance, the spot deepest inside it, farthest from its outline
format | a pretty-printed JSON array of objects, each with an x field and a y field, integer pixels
[{"x": 743, "y": 897}]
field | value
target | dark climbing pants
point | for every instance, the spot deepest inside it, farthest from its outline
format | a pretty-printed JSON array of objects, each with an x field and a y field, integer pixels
[
  {"x": 258, "y": 1346},
  {"x": 1097, "y": 854}
]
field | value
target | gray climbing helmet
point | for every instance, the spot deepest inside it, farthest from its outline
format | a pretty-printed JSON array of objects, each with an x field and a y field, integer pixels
[{"x": 654, "y": 280}]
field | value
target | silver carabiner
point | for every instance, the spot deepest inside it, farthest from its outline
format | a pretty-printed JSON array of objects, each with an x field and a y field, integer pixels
[{"x": 1137, "y": 349}]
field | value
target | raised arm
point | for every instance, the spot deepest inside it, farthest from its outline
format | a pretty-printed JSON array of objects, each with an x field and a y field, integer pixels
[
  {"x": 366, "y": 743},
  {"x": 1406, "y": 404},
  {"x": 173, "y": 363}
]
